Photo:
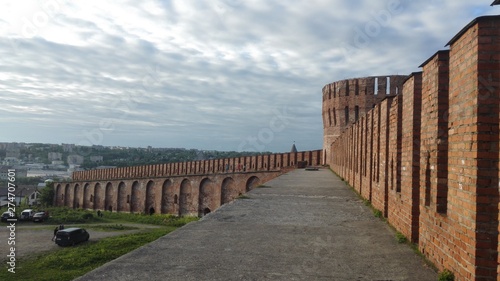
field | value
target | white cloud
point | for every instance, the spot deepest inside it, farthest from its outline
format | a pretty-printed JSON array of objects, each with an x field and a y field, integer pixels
[{"x": 202, "y": 74}]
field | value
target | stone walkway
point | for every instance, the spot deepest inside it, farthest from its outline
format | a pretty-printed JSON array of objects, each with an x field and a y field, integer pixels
[{"x": 304, "y": 225}]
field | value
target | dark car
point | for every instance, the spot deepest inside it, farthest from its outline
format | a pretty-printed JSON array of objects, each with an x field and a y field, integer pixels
[
  {"x": 71, "y": 236},
  {"x": 8, "y": 215},
  {"x": 40, "y": 217}
]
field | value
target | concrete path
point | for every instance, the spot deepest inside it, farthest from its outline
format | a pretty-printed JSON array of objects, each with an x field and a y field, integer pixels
[{"x": 305, "y": 225}]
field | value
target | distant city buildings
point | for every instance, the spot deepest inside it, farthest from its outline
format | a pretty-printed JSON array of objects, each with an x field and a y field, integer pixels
[
  {"x": 104, "y": 167},
  {"x": 4, "y": 172},
  {"x": 96, "y": 159},
  {"x": 9, "y": 161},
  {"x": 68, "y": 147},
  {"x": 75, "y": 159},
  {"x": 55, "y": 156},
  {"x": 13, "y": 152}
]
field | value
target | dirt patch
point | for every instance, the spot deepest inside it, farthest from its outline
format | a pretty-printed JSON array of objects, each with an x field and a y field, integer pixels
[{"x": 32, "y": 239}]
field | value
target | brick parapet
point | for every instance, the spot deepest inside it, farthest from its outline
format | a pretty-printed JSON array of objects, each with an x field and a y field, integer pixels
[
  {"x": 445, "y": 125},
  {"x": 272, "y": 162}
]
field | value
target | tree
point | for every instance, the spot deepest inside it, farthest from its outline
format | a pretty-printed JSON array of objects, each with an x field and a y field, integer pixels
[{"x": 47, "y": 194}]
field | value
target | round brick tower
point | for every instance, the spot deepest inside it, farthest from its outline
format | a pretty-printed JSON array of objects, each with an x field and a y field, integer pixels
[{"x": 347, "y": 100}]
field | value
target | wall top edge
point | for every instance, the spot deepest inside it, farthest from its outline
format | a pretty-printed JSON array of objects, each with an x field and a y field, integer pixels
[
  {"x": 367, "y": 77},
  {"x": 171, "y": 163},
  {"x": 433, "y": 56},
  {"x": 413, "y": 74}
]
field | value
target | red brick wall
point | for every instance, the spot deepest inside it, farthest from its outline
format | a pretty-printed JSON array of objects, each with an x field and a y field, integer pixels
[
  {"x": 178, "y": 195},
  {"x": 376, "y": 152},
  {"x": 368, "y": 178},
  {"x": 434, "y": 161},
  {"x": 432, "y": 154},
  {"x": 254, "y": 163},
  {"x": 410, "y": 154}
]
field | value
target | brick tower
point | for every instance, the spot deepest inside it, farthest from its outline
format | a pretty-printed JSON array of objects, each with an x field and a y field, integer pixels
[{"x": 346, "y": 100}]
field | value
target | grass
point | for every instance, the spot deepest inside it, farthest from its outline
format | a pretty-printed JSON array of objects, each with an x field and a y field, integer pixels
[
  {"x": 71, "y": 262},
  {"x": 243, "y": 196},
  {"x": 110, "y": 227},
  {"x": 264, "y": 186},
  {"x": 156, "y": 219},
  {"x": 446, "y": 275},
  {"x": 67, "y": 216},
  {"x": 401, "y": 238}
]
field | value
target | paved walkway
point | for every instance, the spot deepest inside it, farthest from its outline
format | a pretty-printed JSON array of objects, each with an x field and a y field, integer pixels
[{"x": 305, "y": 225}]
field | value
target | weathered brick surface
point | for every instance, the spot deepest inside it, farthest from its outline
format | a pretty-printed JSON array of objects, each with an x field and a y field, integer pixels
[
  {"x": 368, "y": 160},
  {"x": 182, "y": 195},
  {"x": 432, "y": 153},
  {"x": 410, "y": 154},
  {"x": 434, "y": 161},
  {"x": 380, "y": 191}
]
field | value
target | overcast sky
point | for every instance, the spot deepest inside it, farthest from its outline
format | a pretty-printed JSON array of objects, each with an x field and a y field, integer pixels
[{"x": 242, "y": 75}]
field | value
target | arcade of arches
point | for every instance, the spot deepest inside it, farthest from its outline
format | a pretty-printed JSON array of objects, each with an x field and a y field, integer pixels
[{"x": 195, "y": 195}]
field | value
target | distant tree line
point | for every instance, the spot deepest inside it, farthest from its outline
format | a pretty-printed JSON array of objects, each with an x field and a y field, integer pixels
[{"x": 121, "y": 156}]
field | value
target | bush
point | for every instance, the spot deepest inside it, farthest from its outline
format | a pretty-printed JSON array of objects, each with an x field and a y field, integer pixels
[
  {"x": 87, "y": 216},
  {"x": 157, "y": 219},
  {"x": 66, "y": 215},
  {"x": 401, "y": 238},
  {"x": 446, "y": 275}
]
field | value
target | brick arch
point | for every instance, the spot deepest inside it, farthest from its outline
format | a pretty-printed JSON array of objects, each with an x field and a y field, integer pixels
[
  {"x": 67, "y": 196},
  {"x": 135, "y": 198},
  {"x": 98, "y": 197},
  {"x": 208, "y": 197},
  {"x": 150, "y": 198},
  {"x": 109, "y": 199},
  {"x": 228, "y": 190},
  {"x": 169, "y": 198},
  {"x": 77, "y": 196},
  {"x": 123, "y": 195},
  {"x": 59, "y": 194},
  {"x": 252, "y": 183},
  {"x": 87, "y": 203},
  {"x": 187, "y": 204}
]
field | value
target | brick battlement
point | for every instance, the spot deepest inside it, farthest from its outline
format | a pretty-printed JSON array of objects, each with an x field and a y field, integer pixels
[
  {"x": 184, "y": 188},
  {"x": 428, "y": 156},
  {"x": 271, "y": 162}
]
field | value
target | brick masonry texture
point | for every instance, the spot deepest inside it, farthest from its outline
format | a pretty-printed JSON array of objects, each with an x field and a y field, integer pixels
[
  {"x": 427, "y": 155},
  {"x": 184, "y": 188}
]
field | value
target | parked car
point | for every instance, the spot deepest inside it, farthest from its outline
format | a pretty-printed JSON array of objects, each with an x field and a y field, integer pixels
[
  {"x": 8, "y": 215},
  {"x": 27, "y": 214},
  {"x": 71, "y": 236},
  {"x": 40, "y": 217}
]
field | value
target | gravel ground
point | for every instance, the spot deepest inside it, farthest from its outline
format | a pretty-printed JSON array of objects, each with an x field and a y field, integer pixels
[{"x": 31, "y": 238}]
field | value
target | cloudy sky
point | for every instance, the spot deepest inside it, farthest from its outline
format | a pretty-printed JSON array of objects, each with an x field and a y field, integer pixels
[{"x": 241, "y": 75}]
